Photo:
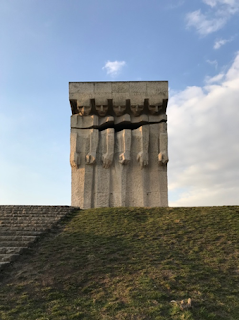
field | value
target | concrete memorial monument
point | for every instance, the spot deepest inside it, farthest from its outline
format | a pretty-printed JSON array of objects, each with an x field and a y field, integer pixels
[{"x": 119, "y": 144}]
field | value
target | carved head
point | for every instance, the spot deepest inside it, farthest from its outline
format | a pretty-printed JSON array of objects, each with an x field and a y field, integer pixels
[
  {"x": 101, "y": 110},
  {"x": 136, "y": 110},
  {"x": 119, "y": 110},
  {"x": 155, "y": 109},
  {"x": 83, "y": 110}
]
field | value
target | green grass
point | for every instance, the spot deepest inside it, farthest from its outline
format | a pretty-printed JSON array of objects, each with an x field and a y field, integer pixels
[{"x": 129, "y": 263}]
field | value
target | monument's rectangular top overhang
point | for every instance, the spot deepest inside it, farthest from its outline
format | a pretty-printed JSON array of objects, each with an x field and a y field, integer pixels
[{"x": 118, "y": 93}]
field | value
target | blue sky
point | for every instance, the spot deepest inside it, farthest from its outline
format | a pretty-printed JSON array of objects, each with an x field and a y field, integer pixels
[{"x": 46, "y": 44}]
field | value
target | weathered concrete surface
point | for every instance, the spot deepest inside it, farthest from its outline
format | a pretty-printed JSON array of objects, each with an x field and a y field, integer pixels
[{"x": 119, "y": 146}]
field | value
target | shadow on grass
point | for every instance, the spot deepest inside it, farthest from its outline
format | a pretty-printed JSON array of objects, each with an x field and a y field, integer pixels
[{"x": 129, "y": 263}]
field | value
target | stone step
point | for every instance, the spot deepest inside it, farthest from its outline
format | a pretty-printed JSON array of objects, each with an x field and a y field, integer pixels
[
  {"x": 36, "y": 227},
  {"x": 17, "y": 238},
  {"x": 19, "y": 232},
  {"x": 27, "y": 228},
  {"x": 39, "y": 213},
  {"x": 35, "y": 210},
  {"x": 25, "y": 223},
  {"x": 3, "y": 264},
  {"x": 12, "y": 243},
  {"x": 12, "y": 219},
  {"x": 8, "y": 257},
  {"x": 16, "y": 219},
  {"x": 22, "y": 221},
  {"x": 23, "y": 228},
  {"x": 11, "y": 250},
  {"x": 22, "y": 225},
  {"x": 34, "y": 214}
]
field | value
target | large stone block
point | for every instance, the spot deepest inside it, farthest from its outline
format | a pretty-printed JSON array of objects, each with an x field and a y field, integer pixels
[{"x": 119, "y": 144}]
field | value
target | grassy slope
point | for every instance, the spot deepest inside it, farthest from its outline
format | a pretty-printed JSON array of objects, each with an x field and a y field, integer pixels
[{"x": 129, "y": 263}]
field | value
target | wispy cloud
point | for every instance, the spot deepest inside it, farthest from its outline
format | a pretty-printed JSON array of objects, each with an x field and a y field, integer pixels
[
  {"x": 176, "y": 4},
  {"x": 213, "y": 63},
  {"x": 203, "y": 24},
  {"x": 215, "y": 18},
  {"x": 219, "y": 43},
  {"x": 113, "y": 68},
  {"x": 203, "y": 142}
]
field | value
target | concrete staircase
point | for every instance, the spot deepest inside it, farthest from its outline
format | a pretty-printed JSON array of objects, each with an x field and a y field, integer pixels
[{"x": 20, "y": 226}]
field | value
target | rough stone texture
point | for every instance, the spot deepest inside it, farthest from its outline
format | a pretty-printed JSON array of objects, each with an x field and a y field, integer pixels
[
  {"x": 20, "y": 226},
  {"x": 119, "y": 144}
]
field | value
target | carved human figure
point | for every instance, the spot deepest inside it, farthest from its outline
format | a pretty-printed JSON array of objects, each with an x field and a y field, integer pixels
[
  {"x": 94, "y": 140},
  {"x": 119, "y": 110},
  {"x": 137, "y": 109},
  {"x": 163, "y": 144},
  {"x": 108, "y": 156},
  {"x": 124, "y": 157},
  {"x": 102, "y": 110},
  {"x": 83, "y": 110},
  {"x": 143, "y": 155},
  {"x": 155, "y": 109},
  {"x": 74, "y": 154}
]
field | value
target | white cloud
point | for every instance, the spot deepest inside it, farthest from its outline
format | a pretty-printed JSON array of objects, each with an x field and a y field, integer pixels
[
  {"x": 217, "y": 78},
  {"x": 230, "y": 6},
  {"x": 233, "y": 72},
  {"x": 221, "y": 42},
  {"x": 203, "y": 130},
  {"x": 214, "y": 19},
  {"x": 113, "y": 68},
  {"x": 211, "y": 3},
  {"x": 203, "y": 24},
  {"x": 228, "y": 3}
]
